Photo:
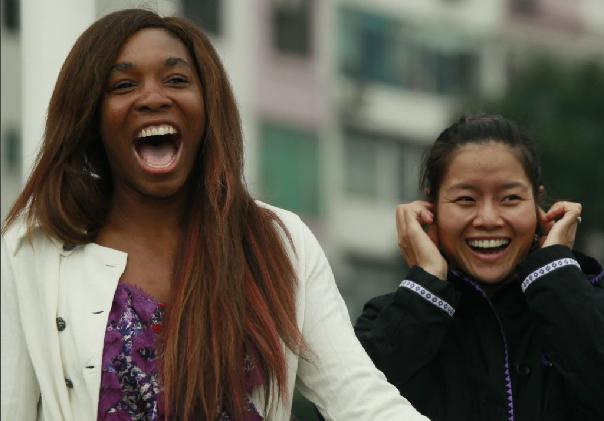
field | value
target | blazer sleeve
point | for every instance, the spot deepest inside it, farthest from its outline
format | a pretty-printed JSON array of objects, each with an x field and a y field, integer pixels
[
  {"x": 568, "y": 308},
  {"x": 403, "y": 331},
  {"x": 338, "y": 376},
  {"x": 20, "y": 390}
]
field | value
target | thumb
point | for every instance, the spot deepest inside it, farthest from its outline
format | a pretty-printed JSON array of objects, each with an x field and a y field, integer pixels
[{"x": 433, "y": 235}]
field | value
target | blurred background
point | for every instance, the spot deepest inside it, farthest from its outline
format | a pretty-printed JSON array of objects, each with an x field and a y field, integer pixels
[{"x": 339, "y": 99}]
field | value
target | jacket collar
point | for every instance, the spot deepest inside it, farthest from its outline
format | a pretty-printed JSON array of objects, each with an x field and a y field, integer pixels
[{"x": 590, "y": 267}]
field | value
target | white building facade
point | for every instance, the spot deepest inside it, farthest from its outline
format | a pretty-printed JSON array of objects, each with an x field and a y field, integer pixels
[{"x": 338, "y": 98}]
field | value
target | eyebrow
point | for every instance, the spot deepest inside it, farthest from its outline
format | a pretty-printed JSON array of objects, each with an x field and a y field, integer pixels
[
  {"x": 125, "y": 66},
  {"x": 514, "y": 184},
  {"x": 175, "y": 61},
  {"x": 505, "y": 186}
]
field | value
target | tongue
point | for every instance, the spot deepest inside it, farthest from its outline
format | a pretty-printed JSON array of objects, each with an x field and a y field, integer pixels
[{"x": 159, "y": 155}]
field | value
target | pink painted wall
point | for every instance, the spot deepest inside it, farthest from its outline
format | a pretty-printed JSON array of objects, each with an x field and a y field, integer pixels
[{"x": 288, "y": 87}]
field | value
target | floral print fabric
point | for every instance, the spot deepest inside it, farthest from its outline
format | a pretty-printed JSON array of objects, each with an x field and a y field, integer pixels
[
  {"x": 130, "y": 389},
  {"x": 129, "y": 382}
]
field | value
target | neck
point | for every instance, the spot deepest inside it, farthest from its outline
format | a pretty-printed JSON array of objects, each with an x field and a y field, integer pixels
[
  {"x": 135, "y": 217},
  {"x": 489, "y": 289}
]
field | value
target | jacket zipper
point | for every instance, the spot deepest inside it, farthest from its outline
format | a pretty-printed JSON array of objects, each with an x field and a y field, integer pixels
[{"x": 506, "y": 364}]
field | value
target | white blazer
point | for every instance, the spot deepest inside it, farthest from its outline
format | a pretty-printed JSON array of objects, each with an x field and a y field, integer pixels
[{"x": 51, "y": 374}]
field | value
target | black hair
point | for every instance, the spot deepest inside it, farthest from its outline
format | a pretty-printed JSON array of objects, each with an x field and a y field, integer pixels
[{"x": 476, "y": 129}]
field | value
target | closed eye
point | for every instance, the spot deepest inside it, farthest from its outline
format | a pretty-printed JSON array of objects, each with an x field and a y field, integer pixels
[
  {"x": 511, "y": 199},
  {"x": 177, "y": 81},
  {"x": 465, "y": 200},
  {"x": 123, "y": 85}
]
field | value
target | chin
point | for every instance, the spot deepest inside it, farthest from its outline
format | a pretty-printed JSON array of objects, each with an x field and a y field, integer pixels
[
  {"x": 487, "y": 274},
  {"x": 490, "y": 276}
]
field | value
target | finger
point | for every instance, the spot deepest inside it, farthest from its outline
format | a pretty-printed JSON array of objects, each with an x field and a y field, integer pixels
[
  {"x": 560, "y": 209},
  {"x": 564, "y": 229},
  {"x": 415, "y": 217},
  {"x": 400, "y": 219},
  {"x": 407, "y": 217},
  {"x": 421, "y": 210},
  {"x": 406, "y": 214},
  {"x": 545, "y": 224},
  {"x": 433, "y": 235},
  {"x": 555, "y": 212},
  {"x": 425, "y": 211},
  {"x": 426, "y": 217}
]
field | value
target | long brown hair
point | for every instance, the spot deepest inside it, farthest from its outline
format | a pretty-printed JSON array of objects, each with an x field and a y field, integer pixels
[{"x": 233, "y": 286}]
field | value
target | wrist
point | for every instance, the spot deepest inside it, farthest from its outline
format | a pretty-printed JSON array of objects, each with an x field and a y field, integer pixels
[{"x": 438, "y": 271}]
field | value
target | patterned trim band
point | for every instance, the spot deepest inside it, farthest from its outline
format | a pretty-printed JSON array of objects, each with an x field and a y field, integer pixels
[
  {"x": 428, "y": 296},
  {"x": 544, "y": 270}
]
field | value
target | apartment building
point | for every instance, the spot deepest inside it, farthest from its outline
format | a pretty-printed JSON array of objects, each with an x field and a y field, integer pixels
[{"x": 338, "y": 100}]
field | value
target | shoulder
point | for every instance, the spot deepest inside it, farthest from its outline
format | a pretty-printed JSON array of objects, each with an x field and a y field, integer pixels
[
  {"x": 301, "y": 243},
  {"x": 288, "y": 218},
  {"x": 372, "y": 309},
  {"x": 295, "y": 229},
  {"x": 555, "y": 261},
  {"x": 16, "y": 238},
  {"x": 590, "y": 267},
  {"x": 380, "y": 301}
]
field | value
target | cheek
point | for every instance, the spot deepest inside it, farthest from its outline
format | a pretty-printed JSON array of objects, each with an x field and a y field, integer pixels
[
  {"x": 522, "y": 218},
  {"x": 106, "y": 125},
  {"x": 450, "y": 223},
  {"x": 113, "y": 115},
  {"x": 111, "y": 127},
  {"x": 451, "y": 218},
  {"x": 524, "y": 224}
]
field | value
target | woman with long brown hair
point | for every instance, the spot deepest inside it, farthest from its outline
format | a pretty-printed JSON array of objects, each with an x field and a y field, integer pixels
[{"x": 139, "y": 278}]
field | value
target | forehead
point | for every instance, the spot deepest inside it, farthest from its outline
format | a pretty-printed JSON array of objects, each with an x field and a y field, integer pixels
[
  {"x": 484, "y": 164},
  {"x": 149, "y": 43}
]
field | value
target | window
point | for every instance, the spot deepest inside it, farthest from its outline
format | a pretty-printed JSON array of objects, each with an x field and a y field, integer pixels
[
  {"x": 290, "y": 168},
  {"x": 381, "y": 168},
  {"x": 384, "y": 50},
  {"x": 410, "y": 159},
  {"x": 205, "y": 13},
  {"x": 525, "y": 7},
  {"x": 11, "y": 150},
  {"x": 366, "y": 47},
  {"x": 292, "y": 26},
  {"x": 361, "y": 168},
  {"x": 10, "y": 15}
]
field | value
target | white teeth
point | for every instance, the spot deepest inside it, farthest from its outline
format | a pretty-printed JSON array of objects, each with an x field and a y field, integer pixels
[
  {"x": 162, "y": 130},
  {"x": 487, "y": 244}
]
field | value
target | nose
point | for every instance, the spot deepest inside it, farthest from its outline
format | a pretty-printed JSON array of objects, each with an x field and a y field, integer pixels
[
  {"x": 487, "y": 215},
  {"x": 153, "y": 98}
]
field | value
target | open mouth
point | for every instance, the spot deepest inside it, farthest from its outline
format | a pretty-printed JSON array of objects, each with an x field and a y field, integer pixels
[
  {"x": 490, "y": 246},
  {"x": 158, "y": 146}
]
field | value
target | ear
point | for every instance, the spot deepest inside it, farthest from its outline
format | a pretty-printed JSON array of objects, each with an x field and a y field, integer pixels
[
  {"x": 540, "y": 195},
  {"x": 540, "y": 229}
]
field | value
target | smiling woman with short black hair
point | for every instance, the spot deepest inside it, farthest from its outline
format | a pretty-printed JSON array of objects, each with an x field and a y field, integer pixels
[{"x": 497, "y": 319}]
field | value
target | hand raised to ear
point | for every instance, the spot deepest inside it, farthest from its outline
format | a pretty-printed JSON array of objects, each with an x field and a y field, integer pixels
[
  {"x": 560, "y": 223},
  {"x": 417, "y": 246}
]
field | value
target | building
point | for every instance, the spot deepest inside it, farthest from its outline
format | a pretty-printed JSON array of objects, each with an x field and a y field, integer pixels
[{"x": 338, "y": 99}]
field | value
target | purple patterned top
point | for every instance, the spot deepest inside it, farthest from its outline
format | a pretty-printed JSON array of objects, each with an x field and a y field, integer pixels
[
  {"x": 130, "y": 388},
  {"x": 129, "y": 382}
]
